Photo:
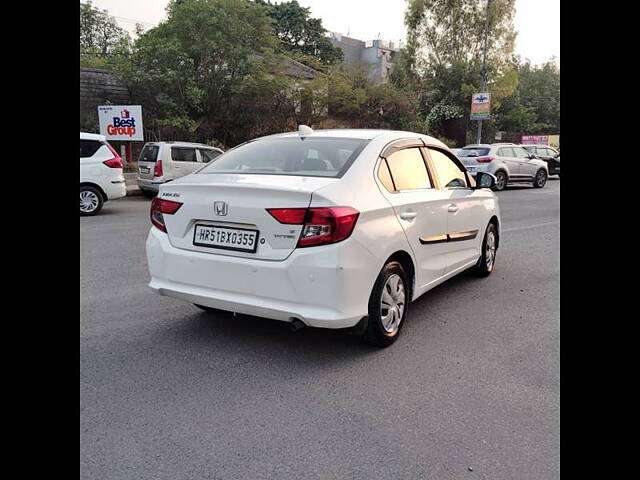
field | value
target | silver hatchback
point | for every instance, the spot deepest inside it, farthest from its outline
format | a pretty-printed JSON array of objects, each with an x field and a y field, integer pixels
[{"x": 509, "y": 162}]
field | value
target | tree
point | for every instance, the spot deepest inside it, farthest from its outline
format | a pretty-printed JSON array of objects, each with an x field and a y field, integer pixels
[
  {"x": 301, "y": 34},
  {"x": 442, "y": 61},
  {"x": 211, "y": 70},
  {"x": 100, "y": 36}
]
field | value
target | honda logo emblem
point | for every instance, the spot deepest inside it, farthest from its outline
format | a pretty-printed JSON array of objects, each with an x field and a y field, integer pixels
[{"x": 220, "y": 208}]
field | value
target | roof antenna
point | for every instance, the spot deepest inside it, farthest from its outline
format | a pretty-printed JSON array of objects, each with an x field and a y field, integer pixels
[{"x": 304, "y": 130}]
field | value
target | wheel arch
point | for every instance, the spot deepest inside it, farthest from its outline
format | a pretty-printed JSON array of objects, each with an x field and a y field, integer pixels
[
  {"x": 97, "y": 187},
  {"x": 496, "y": 222},
  {"x": 406, "y": 260}
]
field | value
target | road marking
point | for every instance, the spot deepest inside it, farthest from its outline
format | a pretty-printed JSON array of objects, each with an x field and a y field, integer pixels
[{"x": 514, "y": 229}]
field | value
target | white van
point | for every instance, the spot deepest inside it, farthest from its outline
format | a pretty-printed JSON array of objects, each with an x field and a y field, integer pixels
[{"x": 161, "y": 162}]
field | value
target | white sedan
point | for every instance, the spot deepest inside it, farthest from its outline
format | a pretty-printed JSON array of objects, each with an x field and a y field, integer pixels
[{"x": 332, "y": 229}]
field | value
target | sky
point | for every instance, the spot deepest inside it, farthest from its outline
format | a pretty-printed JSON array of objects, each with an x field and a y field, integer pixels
[{"x": 537, "y": 21}]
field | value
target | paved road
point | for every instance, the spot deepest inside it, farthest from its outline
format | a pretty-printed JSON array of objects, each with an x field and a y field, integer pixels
[{"x": 169, "y": 392}]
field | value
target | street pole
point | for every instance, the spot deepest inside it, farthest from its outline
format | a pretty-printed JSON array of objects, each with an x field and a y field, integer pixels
[{"x": 483, "y": 73}]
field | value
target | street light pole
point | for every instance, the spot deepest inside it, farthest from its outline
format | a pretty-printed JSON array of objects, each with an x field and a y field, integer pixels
[{"x": 483, "y": 73}]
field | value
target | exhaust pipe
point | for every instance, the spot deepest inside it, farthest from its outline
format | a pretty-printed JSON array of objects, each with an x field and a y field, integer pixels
[{"x": 296, "y": 324}]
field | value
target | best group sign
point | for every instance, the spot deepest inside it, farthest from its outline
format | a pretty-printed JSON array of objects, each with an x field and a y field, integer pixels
[{"x": 121, "y": 122}]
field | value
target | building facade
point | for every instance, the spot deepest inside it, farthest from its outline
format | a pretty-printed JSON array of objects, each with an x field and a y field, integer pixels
[{"x": 377, "y": 56}]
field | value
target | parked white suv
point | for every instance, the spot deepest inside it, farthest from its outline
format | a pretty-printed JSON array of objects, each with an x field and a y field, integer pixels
[
  {"x": 101, "y": 176},
  {"x": 327, "y": 228},
  {"x": 510, "y": 163},
  {"x": 162, "y": 162}
]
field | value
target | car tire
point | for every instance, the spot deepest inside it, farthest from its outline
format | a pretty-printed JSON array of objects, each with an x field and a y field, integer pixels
[
  {"x": 91, "y": 201},
  {"x": 487, "y": 259},
  {"x": 540, "y": 179},
  {"x": 501, "y": 181},
  {"x": 392, "y": 288}
]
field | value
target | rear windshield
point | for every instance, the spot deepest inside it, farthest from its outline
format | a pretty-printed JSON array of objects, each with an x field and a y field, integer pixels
[
  {"x": 149, "y": 153},
  {"x": 473, "y": 152},
  {"x": 303, "y": 156}
]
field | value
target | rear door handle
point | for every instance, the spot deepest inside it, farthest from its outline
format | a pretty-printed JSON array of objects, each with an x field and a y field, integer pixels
[
  {"x": 408, "y": 215},
  {"x": 453, "y": 208}
]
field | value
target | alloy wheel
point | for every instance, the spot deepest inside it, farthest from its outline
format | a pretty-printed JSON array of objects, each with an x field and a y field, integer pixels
[
  {"x": 392, "y": 303},
  {"x": 89, "y": 201}
]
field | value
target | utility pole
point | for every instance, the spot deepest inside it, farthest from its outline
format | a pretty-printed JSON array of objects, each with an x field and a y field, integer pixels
[{"x": 483, "y": 73}]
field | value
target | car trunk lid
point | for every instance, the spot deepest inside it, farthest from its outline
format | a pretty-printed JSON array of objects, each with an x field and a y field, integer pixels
[{"x": 238, "y": 203}]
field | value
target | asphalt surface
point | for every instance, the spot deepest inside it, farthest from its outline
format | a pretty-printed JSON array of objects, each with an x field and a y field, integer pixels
[{"x": 470, "y": 390}]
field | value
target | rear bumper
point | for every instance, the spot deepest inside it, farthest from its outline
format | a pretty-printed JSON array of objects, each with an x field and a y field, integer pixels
[
  {"x": 326, "y": 287},
  {"x": 149, "y": 184},
  {"x": 115, "y": 189}
]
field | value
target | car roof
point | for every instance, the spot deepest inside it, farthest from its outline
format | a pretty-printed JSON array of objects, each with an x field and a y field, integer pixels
[
  {"x": 360, "y": 133},
  {"x": 92, "y": 136}
]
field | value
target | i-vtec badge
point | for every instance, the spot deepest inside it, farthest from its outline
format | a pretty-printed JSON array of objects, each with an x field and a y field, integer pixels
[{"x": 220, "y": 208}]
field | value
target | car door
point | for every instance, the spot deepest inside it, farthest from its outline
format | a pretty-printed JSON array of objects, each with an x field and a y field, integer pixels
[
  {"x": 527, "y": 167},
  {"x": 508, "y": 156},
  {"x": 464, "y": 209},
  {"x": 184, "y": 161},
  {"x": 420, "y": 209}
]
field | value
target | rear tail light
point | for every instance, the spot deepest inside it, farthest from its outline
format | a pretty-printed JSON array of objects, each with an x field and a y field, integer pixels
[
  {"x": 485, "y": 159},
  {"x": 116, "y": 161},
  {"x": 321, "y": 225},
  {"x": 157, "y": 170},
  {"x": 160, "y": 207}
]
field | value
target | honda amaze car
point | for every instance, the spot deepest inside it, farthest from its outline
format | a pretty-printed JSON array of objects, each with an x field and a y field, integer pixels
[
  {"x": 332, "y": 229},
  {"x": 510, "y": 163}
]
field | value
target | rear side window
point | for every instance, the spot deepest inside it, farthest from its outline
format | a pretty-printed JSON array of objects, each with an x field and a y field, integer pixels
[
  {"x": 521, "y": 152},
  {"x": 448, "y": 172},
  {"x": 506, "y": 152},
  {"x": 182, "y": 154},
  {"x": 208, "y": 154},
  {"x": 385, "y": 176},
  {"x": 89, "y": 147},
  {"x": 149, "y": 153},
  {"x": 302, "y": 156},
  {"x": 408, "y": 170}
]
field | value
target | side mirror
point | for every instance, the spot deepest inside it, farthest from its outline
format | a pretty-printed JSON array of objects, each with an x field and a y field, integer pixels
[{"x": 485, "y": 180}]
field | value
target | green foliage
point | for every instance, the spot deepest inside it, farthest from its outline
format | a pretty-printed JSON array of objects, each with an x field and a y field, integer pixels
[
  {"x": 300, "y": 34},
  {"x": 102, "y": 41}
]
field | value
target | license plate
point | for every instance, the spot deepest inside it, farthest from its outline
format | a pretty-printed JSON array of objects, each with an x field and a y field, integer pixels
[
  {"x": 144, "y": 169},
  {"x": 239, "y": 239},
  {"x": 471, "y": 169}
]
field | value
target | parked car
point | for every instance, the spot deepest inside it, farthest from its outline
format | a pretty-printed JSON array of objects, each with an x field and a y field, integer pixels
[
  {"x": 455, "y": 151},
  {"x": 332, "y": 229},
  {"x": 510, "y": 163},
  {"x": 548, "y": 154},
  {"x": 162, "y": 162},
  {"x": 101, "y": 176}
]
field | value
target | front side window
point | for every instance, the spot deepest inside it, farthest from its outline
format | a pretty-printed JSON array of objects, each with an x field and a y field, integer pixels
[
  {"x": 448, "y": 172},
  {"x": 303, "y": 156},
  {"x": 408, "y": 170},
  {"x": 182, "y": 154}
]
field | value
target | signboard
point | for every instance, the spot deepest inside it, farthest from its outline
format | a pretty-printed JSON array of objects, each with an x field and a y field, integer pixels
[
  {"x": 480, "y": 106},
  {"x": 535, "y": 140},
  {"x": 121, "y": 122},
  {"x": 554, "y": 141}
]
